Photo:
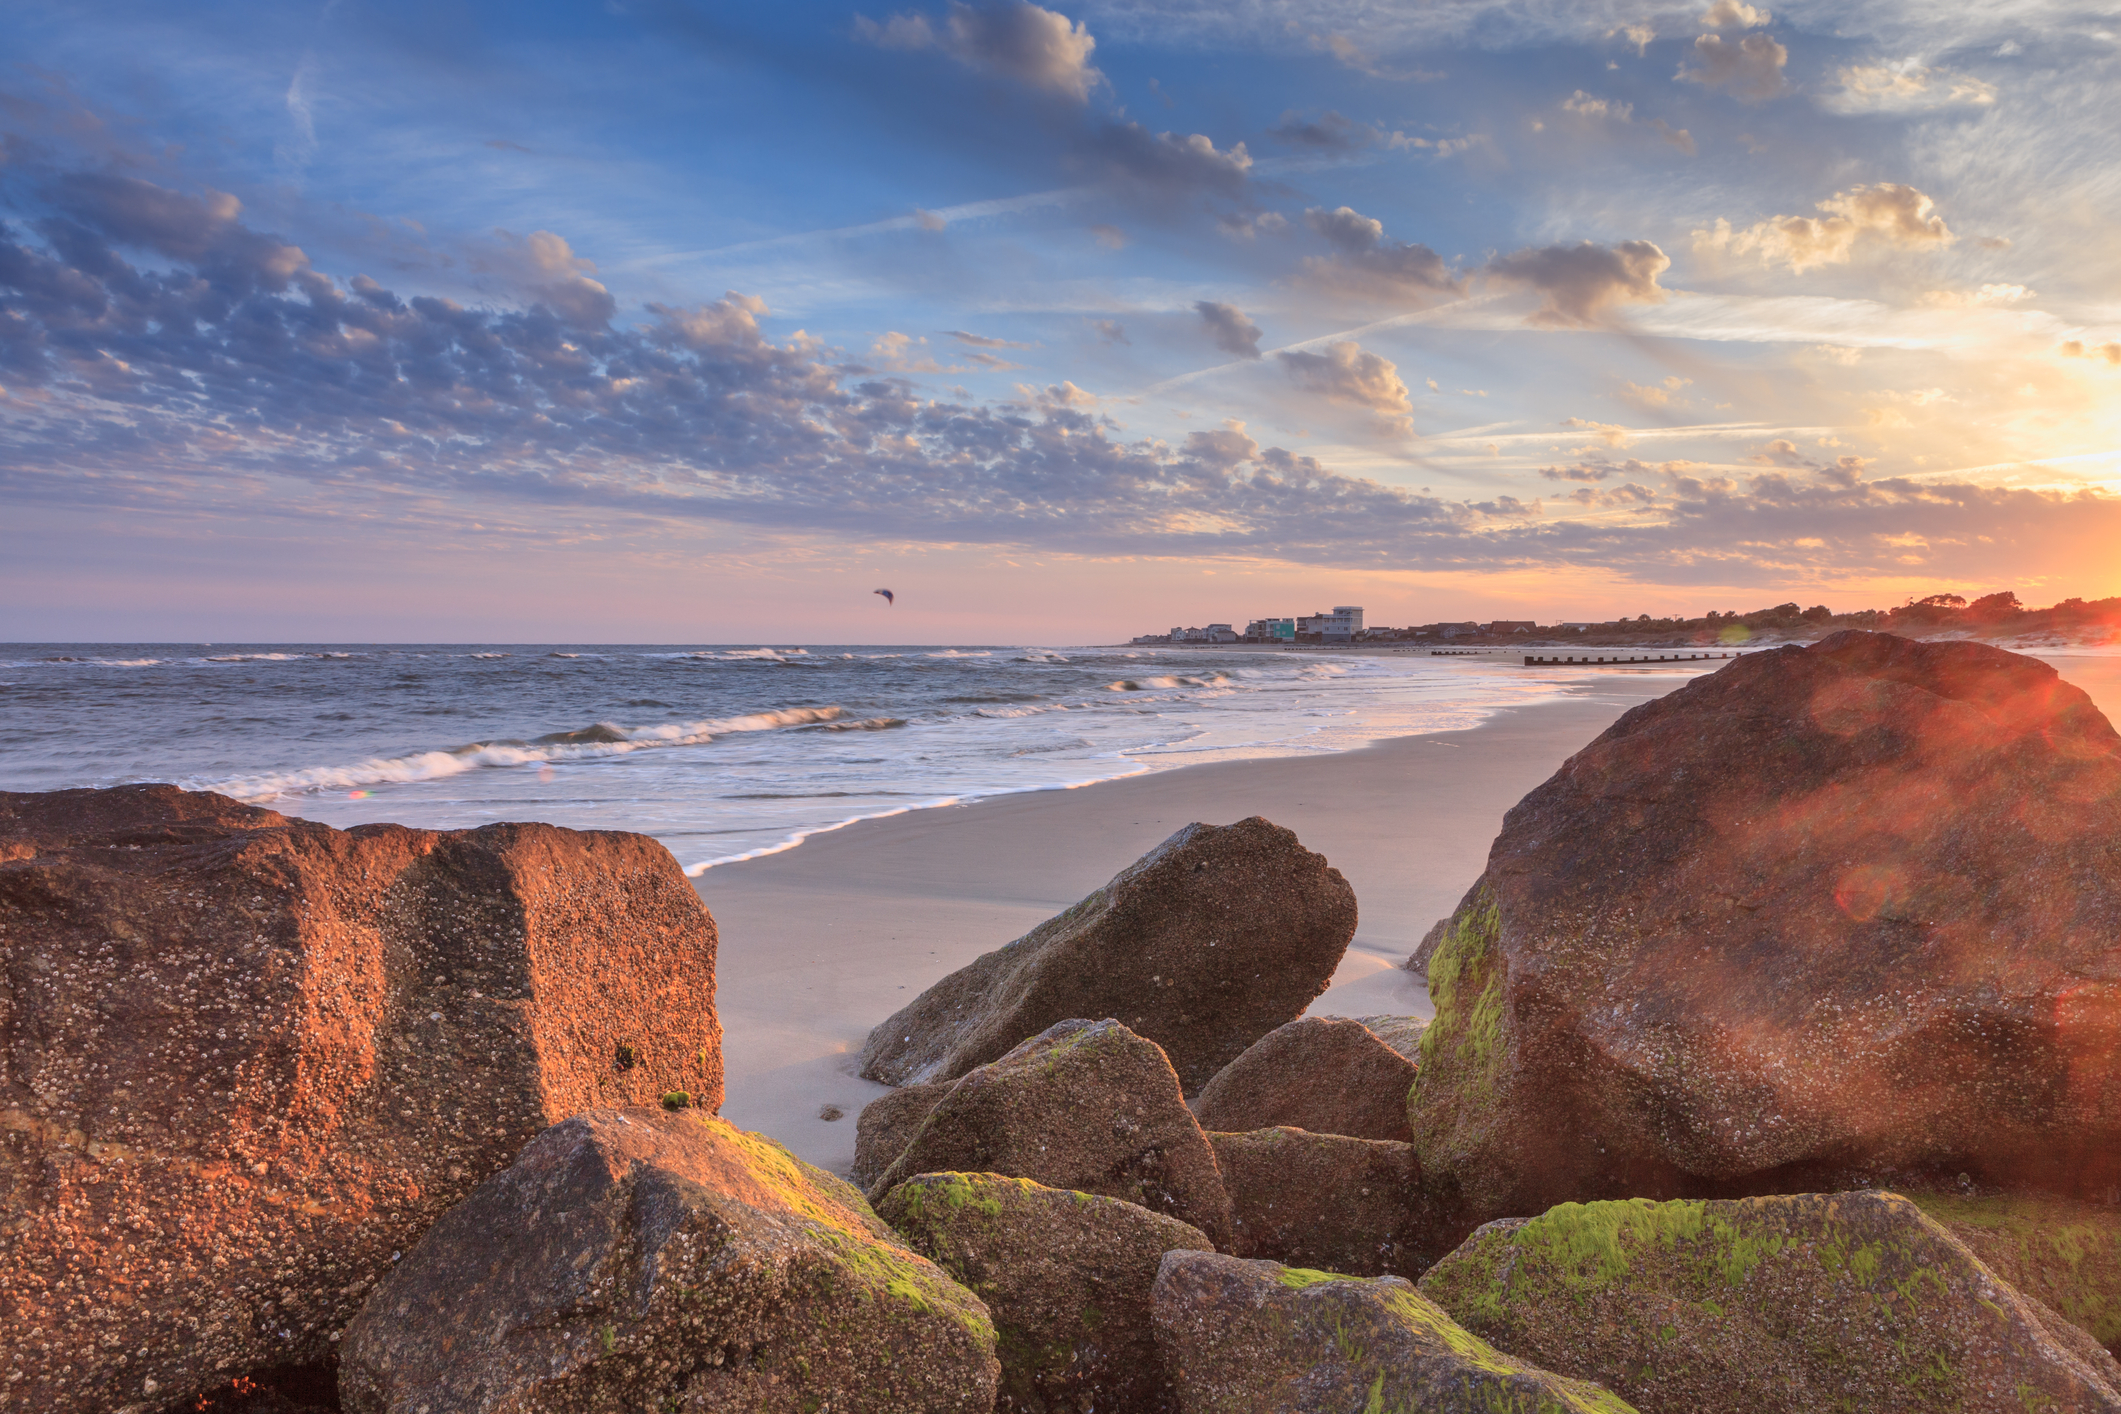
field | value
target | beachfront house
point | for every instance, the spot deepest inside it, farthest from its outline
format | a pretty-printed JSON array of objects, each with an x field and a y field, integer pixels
[
  {"x": 1271, "y": 631},
  {"x": 1340, "y": 626}
]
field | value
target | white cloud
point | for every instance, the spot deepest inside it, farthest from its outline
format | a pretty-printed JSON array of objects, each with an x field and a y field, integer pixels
[
  {"x": 1021, "y": 42},
  {"x": 1348, "y": 373},
  {"x": 1622, "y": 115},
  {"x": 1365, "y": 264},
  {"x": 1890, "y": 212},
  {"x": 1725, "y": 14},
  {"x": 1904, "y": 87},
  {"x": 1750, "y": 69}
]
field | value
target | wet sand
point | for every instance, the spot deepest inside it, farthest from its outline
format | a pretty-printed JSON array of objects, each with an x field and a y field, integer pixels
[{"x": 821, "y": 943}]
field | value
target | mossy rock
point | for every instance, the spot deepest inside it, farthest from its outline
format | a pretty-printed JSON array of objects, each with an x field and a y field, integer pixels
[
  {"x": 662, "y": 1260},
  {"x": 1254, "y": 1337},
  {"x": 1782, "y": 1305},
  {"x": 1083, "y": 1105},
  {"x": 1326, "y": 1200},
  {"x": 1066, "y": 1275},
  {"x": 2068, "y": 1254}
]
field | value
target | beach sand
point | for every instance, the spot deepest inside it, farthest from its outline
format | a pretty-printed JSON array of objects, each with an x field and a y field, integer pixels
[{"x": 820, "y": 943}]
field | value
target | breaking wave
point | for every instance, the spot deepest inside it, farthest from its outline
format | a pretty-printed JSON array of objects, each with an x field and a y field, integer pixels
[{"x": 582, "y": 744}]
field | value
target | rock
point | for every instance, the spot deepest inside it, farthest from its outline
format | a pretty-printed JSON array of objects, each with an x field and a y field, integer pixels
[
  {"x": 251, "y": 1058},
  {"x": 1831, "y": 915},
  {"x": 1084, "y": 1105},
  {"x": 2066, "y": 1254},
  {"x": 1328, "y": 1201},
  {"x": 646, "y": 1259},
  {"x": 1401, "y": 1033},
  {"x": 1245, "y": 1337},
  {"x": 1326, "y": 1074},
  {"x": 1418, "y": 961},
  {"x": 1067, "y": 1276},
  {"x": 887, "y": 1125},
  {"x": 1203, "y": 945},
  {"x": 1782, "y": 1305}
]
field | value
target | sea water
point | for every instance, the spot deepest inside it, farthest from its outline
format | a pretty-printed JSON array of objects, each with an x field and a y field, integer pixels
[{"x": 722, "y": 753}]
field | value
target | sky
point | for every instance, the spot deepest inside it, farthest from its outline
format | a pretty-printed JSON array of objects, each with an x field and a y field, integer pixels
[{"x": 677, "y": 321}]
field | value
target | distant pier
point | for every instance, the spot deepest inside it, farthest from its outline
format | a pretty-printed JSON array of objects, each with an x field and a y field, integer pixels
[{"x": 1533, "y": 660}]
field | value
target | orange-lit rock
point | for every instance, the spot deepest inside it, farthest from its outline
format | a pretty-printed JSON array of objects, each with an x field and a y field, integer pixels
[
  {"x": 249, "y": 1059},
  {"x": 1831, "y": 914}
]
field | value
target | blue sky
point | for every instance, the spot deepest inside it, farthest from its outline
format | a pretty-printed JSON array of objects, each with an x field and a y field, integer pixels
[{"x": 688, "y": 321}]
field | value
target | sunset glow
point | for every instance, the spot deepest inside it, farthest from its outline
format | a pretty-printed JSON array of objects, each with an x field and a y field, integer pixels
[{"x": 662, "y": 322}]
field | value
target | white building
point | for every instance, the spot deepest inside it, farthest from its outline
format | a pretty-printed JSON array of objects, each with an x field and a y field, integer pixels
[{"x": 1337, "y": 627}]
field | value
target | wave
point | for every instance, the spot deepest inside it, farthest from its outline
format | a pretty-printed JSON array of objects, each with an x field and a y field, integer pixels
[
  {"x": 490, "y": 655},
  {"x": 1173, "y": 680},
  {"x": 260, "y": 657},
  {"x": 583, "y": 744},
  {"x": 866, "y": 724},
  {"x": 1040, "y": 655}
]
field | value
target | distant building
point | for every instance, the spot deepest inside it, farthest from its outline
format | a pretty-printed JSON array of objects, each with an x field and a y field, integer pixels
[
  {"x": 1578, "y": 628},
  {"x": 1221, "y": 633},
  {"x": 1460, "y": 630},
  {"x": 1502, "y": 626},
  {"x": 1271, "y": 631},
  {"x": 1340, "y": 626}
]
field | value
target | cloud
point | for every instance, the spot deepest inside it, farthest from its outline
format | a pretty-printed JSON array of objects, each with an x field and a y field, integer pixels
[
  {"x": 982, "y": 341},
  {"x": 1612, "y": 434},
  {"x": 1626, "y": 497},
  {"x": 1652, "y": 398},
  {"x": 1622, "y": 115},
  {"x": 1366, "y": 265},
  {"x": 1354, "y": 56},
  {"x": 1906, "y": 87},
  {"x": 1581, "y": 282},
  {"x": 1165, "y": 168},
  {"x": 1347, "y": 373},
  {"x": 929, "y": 220},
  {"x": 1751, "y": 69},
  {"x": 1111, "y": 331},
  {"x": 1329, "y": 132},
  {"x": 1245, "y": 226},
  {"x": 1728, "y": 14},
  {"x": 1898, "y": 215},
  {"x": 1228, "y": 328},
  {"x": 1020, "y": 42},
  {"x": 548, "y": 269},
  {"x": 2076, "y": 348},
  {"x": 237, "y": 382}
]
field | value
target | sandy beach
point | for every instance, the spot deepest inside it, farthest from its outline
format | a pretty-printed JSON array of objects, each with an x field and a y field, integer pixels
[{"x": 822, "y": 942}]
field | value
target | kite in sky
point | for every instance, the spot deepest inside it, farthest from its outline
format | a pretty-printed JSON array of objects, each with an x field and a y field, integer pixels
[{"x": 889, "y": 597}]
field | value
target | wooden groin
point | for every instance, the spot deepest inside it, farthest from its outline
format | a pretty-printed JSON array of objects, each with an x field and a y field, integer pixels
[{"x": 1533, "y": 660}]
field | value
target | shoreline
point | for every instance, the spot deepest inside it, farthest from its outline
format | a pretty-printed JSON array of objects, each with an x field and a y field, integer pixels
[{"x": 820, "y": 944}]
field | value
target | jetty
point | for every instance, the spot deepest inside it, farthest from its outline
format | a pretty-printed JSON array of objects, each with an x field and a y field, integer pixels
[{"x": 1536, "y": 660}]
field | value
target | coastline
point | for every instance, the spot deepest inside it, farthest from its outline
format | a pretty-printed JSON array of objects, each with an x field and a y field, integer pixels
[{"x": 819, "y": 944}]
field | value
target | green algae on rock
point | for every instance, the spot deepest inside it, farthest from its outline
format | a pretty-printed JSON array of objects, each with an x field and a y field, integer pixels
[
  {"x": 1250, "y": 1337},
  {"x": 1828, "y": 916},
  {"x": 1783, "y": 1305},
  {"x": 664, "y": 1260},
  {"x": 1084, "y": 1105},
  {"x": 1067, "y": 1277},
  {"x": 2068, "y": 1254}
]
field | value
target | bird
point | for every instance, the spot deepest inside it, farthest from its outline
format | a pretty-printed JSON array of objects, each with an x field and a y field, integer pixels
[{"x": 889, "y": 597}]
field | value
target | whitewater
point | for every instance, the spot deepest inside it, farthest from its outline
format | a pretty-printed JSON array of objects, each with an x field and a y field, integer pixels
[{"x": 722, "y": 753}]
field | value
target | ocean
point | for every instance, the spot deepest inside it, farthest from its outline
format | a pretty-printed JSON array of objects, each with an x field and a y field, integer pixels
[{"x": 722, "y": 753}]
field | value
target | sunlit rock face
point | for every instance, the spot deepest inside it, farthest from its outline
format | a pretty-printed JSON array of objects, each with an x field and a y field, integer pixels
[{"x": 1839, "y": 914}]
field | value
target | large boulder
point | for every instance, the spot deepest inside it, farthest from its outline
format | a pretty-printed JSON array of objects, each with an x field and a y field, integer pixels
[
  {"x": 1325, "y": 1200},
  {"x": 1781, "y": 1305},
  {"x": 1067, "y": 1277},
  {"x": 249, "y": 1059},
  {"x": 2065, "y": 1253},
  {"x": 888, "y": 1124},
  {"x": 1204, "y": 945},
  {"x": 1084, "y": 1105},
  {"x": 1247, "y": 1337},
  {"x": 637, "y": 1260},
  {"x": 1326, "y": 1074},
  {"x": 1401, "y": 1033},
  {"x": 1830, "y": 915}
]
